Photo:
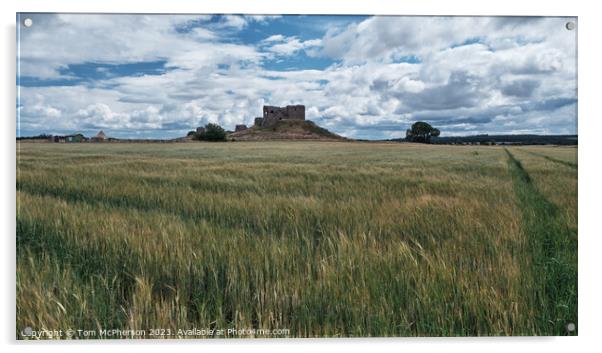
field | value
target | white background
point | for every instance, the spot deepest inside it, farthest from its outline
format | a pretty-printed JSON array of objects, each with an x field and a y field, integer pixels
[{"x": 590, "y": 98}]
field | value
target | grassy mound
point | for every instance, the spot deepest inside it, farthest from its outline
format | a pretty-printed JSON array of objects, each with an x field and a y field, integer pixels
[{"x": 286, "y": 130}]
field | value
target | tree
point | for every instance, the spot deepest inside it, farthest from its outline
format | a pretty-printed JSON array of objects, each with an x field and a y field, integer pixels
[
  {"x": 213, "y": 132},
  {"x": 421, "y": 132},
  {"x": 191, "y": 133}
]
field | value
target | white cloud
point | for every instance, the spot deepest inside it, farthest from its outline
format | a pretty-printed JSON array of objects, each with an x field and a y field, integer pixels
[
  {"x": 274, "y": 38},
  {"x": 43, "y": 111},
  {"x": 235, "y": 21},
  {"x": 289, "y": 45},
  {"x": 239, "y": 22}
]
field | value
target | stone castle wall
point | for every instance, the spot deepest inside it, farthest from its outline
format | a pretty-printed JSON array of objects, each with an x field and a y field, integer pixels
[
  {"x": 272, "y": 114},
  {"x": 296, "y": 112}
]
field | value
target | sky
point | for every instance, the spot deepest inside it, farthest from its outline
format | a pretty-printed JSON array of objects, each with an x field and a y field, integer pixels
[{"x": 368, "y": 77}]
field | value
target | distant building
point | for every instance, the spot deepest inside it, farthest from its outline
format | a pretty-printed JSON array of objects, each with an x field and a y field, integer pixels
[
  {"x": 100, "y": 137},
  {"x": 200, "y": 130},
  {"x": 240, "y": 127},
  {"x": 74, "y": 138}
]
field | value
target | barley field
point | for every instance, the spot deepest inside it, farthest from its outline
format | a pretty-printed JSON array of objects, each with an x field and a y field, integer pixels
[{"x": 321, "y": 239}]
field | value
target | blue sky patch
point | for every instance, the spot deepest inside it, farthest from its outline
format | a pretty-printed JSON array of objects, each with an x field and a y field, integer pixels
[
  {"x": 88, "y": 73},
  {"x": 99, "y": 71},
  {"x": 296, "y": 62}
]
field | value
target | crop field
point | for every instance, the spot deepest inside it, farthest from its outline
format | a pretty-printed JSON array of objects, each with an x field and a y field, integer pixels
[{"x": 307, "y": 239}]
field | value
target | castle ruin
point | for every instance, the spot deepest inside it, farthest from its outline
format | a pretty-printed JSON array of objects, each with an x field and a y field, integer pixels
[{"x": 272, "y": 114}]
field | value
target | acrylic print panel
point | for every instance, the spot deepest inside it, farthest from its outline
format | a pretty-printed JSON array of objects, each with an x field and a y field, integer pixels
[{"x": 233, "y": 176}]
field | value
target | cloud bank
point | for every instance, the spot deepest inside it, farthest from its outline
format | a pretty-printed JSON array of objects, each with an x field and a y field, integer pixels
[{"x": 362, "y": 77}]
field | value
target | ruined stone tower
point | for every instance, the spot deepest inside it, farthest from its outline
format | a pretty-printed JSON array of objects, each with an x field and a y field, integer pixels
[{"x": 272, "y": 114}]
